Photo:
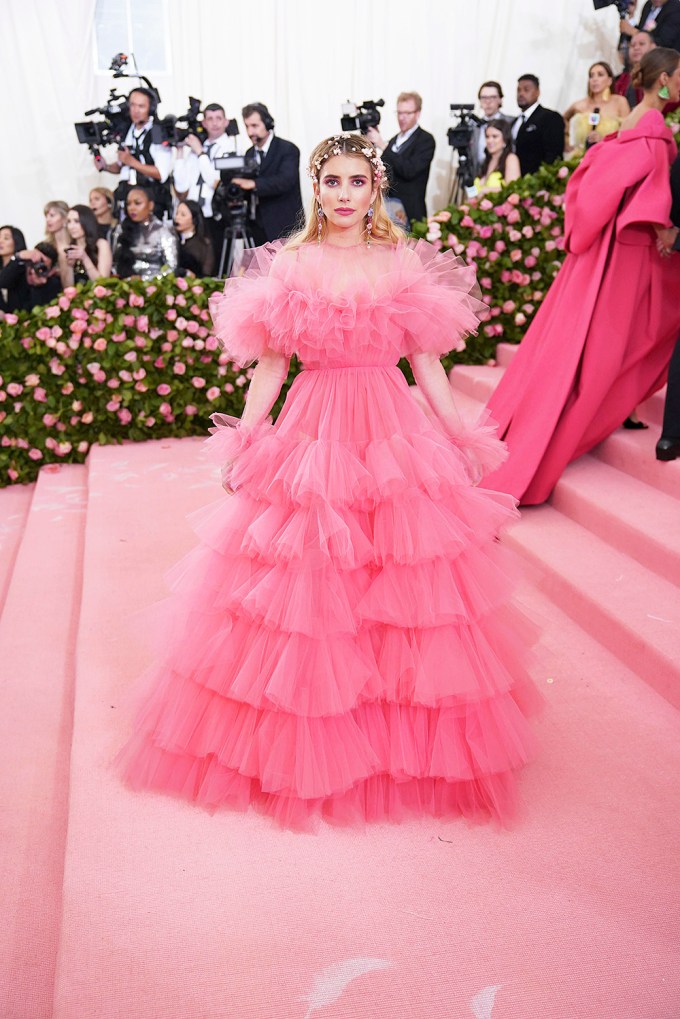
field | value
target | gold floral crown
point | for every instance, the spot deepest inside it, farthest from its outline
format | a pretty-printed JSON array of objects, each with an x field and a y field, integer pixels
[{"x": 335, "y": 147}]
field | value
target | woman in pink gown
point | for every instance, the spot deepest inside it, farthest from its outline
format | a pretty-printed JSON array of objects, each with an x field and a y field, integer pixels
[
  {"x": 602, "y": 340},
  {"x": 340, "y": 644}
]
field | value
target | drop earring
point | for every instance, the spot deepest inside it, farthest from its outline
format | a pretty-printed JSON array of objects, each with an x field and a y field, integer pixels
[
  {"x": 663, "y": 92},
  {"x": 319, "y": 224},
  {"x": 369, "y": 226}
]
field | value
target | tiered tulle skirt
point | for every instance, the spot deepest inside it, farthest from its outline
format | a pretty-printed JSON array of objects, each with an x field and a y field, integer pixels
[{"x": 341, "y": 642}]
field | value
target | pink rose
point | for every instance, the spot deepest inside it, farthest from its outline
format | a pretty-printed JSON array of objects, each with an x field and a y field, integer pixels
[
  {"x": 514, "y": 216},
  {"x": 128, "y": 321},
  {"x": 500, "y": 246},
  {"x": 39, "y": 394},
  {"x": 514, "y": 199},
  {"x": 528, "y": 231},
  {"x": 15, "y": 389},
  {"x": 179, "y": 368},
  {"x": 163, "y": 389},
  {"x": 550, "y": 245},
  {"x": 530, "y": 261},
  {"x": 12, "y": 320},
  {"x": 485, "y": 282},
  {"x": 151, "y": 289},
  {"x": 44, "y": 334},
  {"x": 181, "y": 300},
  {"x": 514, "y": 236},
  {"x": 181, "y": 322},
  {"x": 113, "y": 405},
  {"x": 150, "y": 422},
  {"x": 78, "y": 326},
  {"x": 171, "y": 314},
  {"x": 79, "y": 313},
  {"x": 165, "y": 409},
  {"x": 87, "y": 418},
  {"x": 49, "y": 419},
  {"x": 563, "y": 172},
  {"x": 468, "y": 222},
  {"x": 192, "y": 327},
  {"x": 228, "y": 388},
  {"x": 100, "y": 344},
  {"x": 99, "y": 376},
  {"x": 100, "y": 291},
  {"x": 83, "y": 446},
  {"x": 520, "y": 319},
  {"x": 508, "y": 307},
  {"x": 213, "y": 393},
  {"x": 515, "y": 255},
  {"x": 131, "y": 355},
  {"x": 136, "y": 301},
  {"x": 493, "y": 256},
  {"x": 190, "y": 410},
  {"x": 64, "y": 303},
  {"x": 124, "y": 416},
  {"x": 32, "y": 380},
  {"x": 198, "y": 382},
  {"x": 172, "y": 335},
  {"x": 35, "y": 454},
  {"x": 211, "y": 343},
  {"x": 197, "y": 290},
  {"x": 11, "y": 473},
  {"x": 485, "y": 205},
  {"x": 143, "y": 323},
  {"x": 182, "y": 283},
  {"x": 125, "y": 375},
  {"x": 52, "y": 312}
]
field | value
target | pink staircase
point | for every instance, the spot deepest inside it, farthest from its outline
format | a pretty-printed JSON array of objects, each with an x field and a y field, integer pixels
[{"x": 122, "y": 906}]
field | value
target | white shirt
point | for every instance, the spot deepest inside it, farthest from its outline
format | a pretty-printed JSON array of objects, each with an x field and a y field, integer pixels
[
  {"x": 523, "y": 117},
  {"x": 161, "y": 154},
  {"x": 196, "y": 175},
  {"x": 401, "y": 138},
  {"x": 261, "y": 153}
]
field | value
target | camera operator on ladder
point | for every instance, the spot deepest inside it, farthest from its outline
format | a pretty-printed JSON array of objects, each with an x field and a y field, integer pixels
[
  {"x": 195, "y": 176},
  {"x": 140, "y": 160},
  {"x": 278, "y": 207},
  {"x": 407, "y": 157}
]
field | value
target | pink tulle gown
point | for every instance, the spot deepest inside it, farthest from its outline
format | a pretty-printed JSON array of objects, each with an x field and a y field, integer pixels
[{"x": 340, "y": 643}]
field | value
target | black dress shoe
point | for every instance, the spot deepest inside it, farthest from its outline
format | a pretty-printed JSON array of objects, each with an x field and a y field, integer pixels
[
  {"x": 667, "y": 449},
  {"x": 634, "y": 425}
]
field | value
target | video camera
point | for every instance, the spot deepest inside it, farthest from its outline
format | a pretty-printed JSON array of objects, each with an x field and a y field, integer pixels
[
  {"x": 621, "y": 6},
  {"x": 360, "y": 116},
  {"x": 115, "y": 116},
  {"x": 460, "y": 137},
  {"x": 230, "y": 200}
]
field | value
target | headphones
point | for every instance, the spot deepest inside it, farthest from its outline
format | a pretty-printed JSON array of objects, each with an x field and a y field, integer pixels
[
  {"x": 151, "y": 95},
  {"x": 265, "y": 115}
]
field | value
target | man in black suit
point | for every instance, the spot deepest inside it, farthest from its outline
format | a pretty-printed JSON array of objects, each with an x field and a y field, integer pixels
[
  {"x": 278, "y": 210},
  {"x": 538, "y": 133},
  {"x": 668, "y": 446},
  {"x": 407, "y": 156},
  {"x": 662, "y": 19}
]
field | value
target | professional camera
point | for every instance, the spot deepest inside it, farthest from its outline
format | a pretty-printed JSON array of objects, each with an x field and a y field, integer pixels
[
  {"x": 40, "y": 268},
  {"x": 115, "y": 118},
  {"x": 621, "y": 6},
  {"x": 360, "y": 116},
  {"x": 230, "y": 200},
  {"x": 460, "y": 137}
]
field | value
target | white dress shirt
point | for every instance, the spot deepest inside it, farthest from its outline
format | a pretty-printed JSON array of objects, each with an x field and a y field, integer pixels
[
  {"x": 401, "y": 138},
  {"x": 196, "y": 175},
  {"x": 523, "y": 117}
]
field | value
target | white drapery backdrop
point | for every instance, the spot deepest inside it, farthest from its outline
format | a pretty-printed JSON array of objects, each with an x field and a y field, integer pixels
[{"x": 299, "y": 57}]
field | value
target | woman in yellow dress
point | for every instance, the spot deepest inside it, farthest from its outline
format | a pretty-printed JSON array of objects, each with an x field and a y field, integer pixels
[
  {"x": 500, "y": 165},
  {"x": 589, "y": 120}
]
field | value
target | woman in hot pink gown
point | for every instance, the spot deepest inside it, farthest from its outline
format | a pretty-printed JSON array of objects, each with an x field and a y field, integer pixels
[
  {"x": 340, "y": 644},
  {"x": 602, "y": 340}
]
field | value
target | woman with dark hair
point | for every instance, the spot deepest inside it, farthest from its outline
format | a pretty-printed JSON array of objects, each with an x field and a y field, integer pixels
[
  {"x": 11, "y": 243},
  {"x": 196, "y": 255},
  {"x": 500, "y": 165},
  {"x": 602, "y": 339},
  {"x": 601, "y": 112},
  {"x": 87, "y": 256},
  {"x": 143, "y": 245}
]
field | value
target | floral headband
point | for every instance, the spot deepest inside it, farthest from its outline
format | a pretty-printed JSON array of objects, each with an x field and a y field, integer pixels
[{"x": 366, "y": 150}]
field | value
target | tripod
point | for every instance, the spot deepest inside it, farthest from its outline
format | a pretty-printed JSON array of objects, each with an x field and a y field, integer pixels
[
  {"x": 236, "y": 229},
  {"x": 463, "y": 182}
]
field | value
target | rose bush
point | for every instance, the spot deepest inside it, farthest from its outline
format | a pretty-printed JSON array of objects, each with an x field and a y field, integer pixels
[{"x": 106, "y": 362}]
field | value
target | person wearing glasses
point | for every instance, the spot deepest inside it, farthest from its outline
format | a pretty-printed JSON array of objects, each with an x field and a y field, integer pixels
[
  {"x": 407, "y": 157},
  {"x": 490, "y": 96}
]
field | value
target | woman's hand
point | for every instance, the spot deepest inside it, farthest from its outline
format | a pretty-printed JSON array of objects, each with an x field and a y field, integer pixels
[
  {"x": 665, "y": 239},
  {"x": 74, "y": 254}
]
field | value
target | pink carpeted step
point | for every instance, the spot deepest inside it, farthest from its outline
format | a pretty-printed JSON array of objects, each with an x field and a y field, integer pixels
[
  {"x": 37, "y": 639},
  {"x": 15, "y": 503},
  {"x": 633, "y": 453},
  {"x": 475, "y": 380},
  {"x": 631, "y": 610},
  {"x": 172, "y": 913},
  {"x": 635, "y": 518}
]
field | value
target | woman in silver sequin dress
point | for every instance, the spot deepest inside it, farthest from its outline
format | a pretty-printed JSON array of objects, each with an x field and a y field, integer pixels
[{"x": 143, "y": 245}]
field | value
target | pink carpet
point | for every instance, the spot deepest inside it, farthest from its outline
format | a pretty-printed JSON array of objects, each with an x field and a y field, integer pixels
[{"x": 141, "y": 906}]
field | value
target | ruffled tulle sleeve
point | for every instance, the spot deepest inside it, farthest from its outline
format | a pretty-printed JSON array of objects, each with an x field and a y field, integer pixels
[
  {"x": 436, "y": 302},
  {"x": 242, "y": 314}
]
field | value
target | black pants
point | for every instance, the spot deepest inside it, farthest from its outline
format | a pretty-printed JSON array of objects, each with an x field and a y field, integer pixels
[{"x": 671, "y": 414}]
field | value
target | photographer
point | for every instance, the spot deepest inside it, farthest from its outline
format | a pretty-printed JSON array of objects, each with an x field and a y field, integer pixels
[
  {"x": 662, "y": 19},
  {"x": 407, "y": 157},
  {"x": 30, "y": 278},
  {"x": 278, "y": 209},
  {"x": 195, "y": 176},
  {"x": 140, "y": 160}
]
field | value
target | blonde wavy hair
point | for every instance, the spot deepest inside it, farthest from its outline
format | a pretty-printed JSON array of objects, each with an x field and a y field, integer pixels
[{"x": 357, "y": 147}]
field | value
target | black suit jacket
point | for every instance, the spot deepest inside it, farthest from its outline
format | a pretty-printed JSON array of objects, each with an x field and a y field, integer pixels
[
  {"x": 667, "y": 31},
  {"x": 540, "y": 139},
  {"x": 279, "y": 205},
  {"x": 408, "y": 171}
]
